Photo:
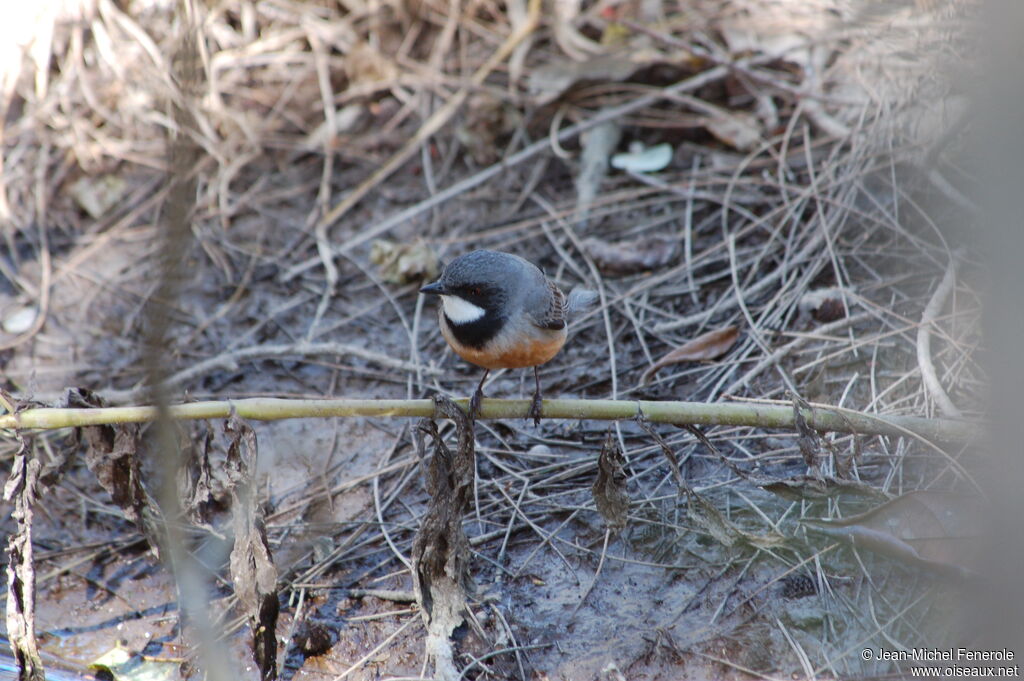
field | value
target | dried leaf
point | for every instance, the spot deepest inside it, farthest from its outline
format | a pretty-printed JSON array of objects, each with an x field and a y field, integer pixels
[
  {"x": 609, "y": 488},
  {"x": 808, "y": 439},
  {"x": 738, "y": 129},
  {"x": 621, "y": 258},
  {"x": 121, "y": 664},
  {"x": 366, "y": 65},
  {"x": 813, "y": 488},
  {"x": 27, "y": 480},
  {"x": 201, "y": 491},
  {"x": 252, "y": 568},
  {"x": 404, "y": 263},
  {"x": 723, "y": 530},
  {"x": 709, "y": 519},
  {"x": 547, "y": 82},
  {"x": 112, "y": 456},
  {"x": 21, "y": 489},
  {"x": 706, "y": 346},
  {"x": 97, "y": 195},
  {"x": 935, "y": 530},
  {"x": 440, "y": 549}
]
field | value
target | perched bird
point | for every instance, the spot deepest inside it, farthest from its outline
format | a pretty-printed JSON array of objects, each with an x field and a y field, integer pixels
[{"x": 499, "y": 311}]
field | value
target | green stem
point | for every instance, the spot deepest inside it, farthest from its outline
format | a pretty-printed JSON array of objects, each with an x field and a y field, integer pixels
[{"x": 758, "y": 415}]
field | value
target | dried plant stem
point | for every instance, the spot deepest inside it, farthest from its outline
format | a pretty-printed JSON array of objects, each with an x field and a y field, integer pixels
[
  {"x": 821, "y": 418},
  {"x": 924, "y": 342}
]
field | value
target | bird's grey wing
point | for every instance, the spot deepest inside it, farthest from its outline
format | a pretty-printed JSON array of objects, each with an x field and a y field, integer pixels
[{"x": 550, "y": 313}]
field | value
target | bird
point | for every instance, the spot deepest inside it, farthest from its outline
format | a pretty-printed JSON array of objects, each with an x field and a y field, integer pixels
[{"x": 499, "y": 311}]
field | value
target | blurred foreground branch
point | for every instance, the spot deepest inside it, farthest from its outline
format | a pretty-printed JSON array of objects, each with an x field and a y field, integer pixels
[{"x": 760, "y": 414}]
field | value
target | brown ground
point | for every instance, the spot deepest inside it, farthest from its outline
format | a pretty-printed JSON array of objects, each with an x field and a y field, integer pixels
[{"x": 827, "y": 203}]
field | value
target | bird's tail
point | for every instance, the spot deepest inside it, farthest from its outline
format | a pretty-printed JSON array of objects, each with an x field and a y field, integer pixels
[{"x": 579, "y": 300}]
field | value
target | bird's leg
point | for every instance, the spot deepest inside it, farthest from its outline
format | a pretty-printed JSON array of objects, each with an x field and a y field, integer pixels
[
  {"x": 535, "y": 406},
  {"x": 478, "y": 396}
]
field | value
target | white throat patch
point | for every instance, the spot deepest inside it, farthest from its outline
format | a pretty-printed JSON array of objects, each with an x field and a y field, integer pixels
[{"x": 461, "y": 311}]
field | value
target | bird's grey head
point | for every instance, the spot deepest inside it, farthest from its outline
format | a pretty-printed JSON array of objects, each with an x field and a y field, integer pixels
[{"x": 478, "y": 284}]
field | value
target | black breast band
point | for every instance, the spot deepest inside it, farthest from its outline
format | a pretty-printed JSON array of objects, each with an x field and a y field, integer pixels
[{"x": 478, "y": 333}]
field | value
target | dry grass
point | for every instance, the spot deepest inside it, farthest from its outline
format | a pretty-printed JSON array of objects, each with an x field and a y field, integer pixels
[{"x": 299, "y": 107}]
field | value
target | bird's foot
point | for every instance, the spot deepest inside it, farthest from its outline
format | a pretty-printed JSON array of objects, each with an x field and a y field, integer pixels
[
  {"x": 535, "y": 408},
  {"x": 474, "y": 404}
]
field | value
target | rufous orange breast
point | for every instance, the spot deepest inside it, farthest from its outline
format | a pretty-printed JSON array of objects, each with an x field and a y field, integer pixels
[{"x": 500, "y": 355}]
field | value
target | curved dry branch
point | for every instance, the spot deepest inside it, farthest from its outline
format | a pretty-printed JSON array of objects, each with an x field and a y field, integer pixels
[{"x": 924, "y": 343}]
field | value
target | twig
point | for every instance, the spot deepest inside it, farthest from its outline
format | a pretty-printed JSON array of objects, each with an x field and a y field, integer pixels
[
  {"x": 748, "y": 414},
  {"x": 924, "y": 342},
  {"x": 384, "y": 595}
]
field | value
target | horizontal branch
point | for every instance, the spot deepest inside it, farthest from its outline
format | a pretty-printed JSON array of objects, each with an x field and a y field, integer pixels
[{"x": 822, "y": 418}]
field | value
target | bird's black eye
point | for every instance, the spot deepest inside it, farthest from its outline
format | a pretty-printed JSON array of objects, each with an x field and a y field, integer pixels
[{"x": 475, "y": 291}]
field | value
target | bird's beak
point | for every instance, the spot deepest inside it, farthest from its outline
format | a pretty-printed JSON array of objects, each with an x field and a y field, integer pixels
[{"x": 437, "y": 288}]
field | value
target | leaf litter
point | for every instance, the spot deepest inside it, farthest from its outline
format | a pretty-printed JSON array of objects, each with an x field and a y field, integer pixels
[{"x": 707, "y": 346}]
